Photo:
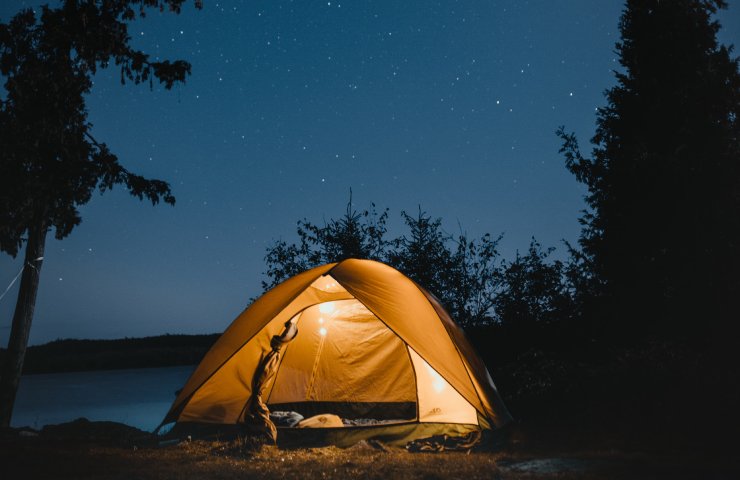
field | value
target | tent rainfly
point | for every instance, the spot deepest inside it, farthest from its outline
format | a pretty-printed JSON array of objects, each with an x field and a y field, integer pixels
[{"x": 356, "y": 339}]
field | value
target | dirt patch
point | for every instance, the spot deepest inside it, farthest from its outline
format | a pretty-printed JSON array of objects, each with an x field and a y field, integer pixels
[{"x": 553, "y": 465}]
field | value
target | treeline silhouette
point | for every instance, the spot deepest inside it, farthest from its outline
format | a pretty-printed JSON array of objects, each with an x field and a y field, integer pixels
[
  {"x": 529, "y": 299},
  {"x": 79, "y": 355}
]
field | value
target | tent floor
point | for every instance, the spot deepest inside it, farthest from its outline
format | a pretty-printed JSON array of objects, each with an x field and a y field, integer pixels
[{"x": 396, "y": 434}]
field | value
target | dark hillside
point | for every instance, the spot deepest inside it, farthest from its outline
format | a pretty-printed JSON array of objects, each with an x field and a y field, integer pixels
[{"x": 76, "y": 355}]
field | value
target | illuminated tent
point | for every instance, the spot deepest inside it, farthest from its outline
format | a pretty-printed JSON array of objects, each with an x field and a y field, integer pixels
[{"x": 357, "y": 339}]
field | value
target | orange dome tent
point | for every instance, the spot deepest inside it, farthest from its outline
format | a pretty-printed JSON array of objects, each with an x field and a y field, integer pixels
[{"x": 357, "y": 339}]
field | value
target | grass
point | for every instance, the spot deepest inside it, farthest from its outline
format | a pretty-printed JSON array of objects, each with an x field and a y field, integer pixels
[{"x": 104, "y": 450}]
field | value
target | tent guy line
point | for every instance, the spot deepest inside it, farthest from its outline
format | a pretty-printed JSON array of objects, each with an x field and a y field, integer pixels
[{"x": 12, "y": 282}]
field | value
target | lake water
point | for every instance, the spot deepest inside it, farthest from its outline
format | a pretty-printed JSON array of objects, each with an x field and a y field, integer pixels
[{"x": 138, "y": 397}]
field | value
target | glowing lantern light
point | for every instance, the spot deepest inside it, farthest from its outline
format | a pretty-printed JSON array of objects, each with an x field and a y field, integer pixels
[
  {"x": 326, "y": 307},
  {"x": 438, "y": 383},
  {"x": 327, "y": 284},
  {"x": 322, "y": 331}
]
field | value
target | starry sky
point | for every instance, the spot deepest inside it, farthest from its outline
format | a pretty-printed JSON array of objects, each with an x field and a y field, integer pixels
[{"x": 447, "y": 105}]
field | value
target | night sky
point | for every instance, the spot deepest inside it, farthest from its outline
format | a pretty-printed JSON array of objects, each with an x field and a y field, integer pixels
[{"x": 448, "y": 105}]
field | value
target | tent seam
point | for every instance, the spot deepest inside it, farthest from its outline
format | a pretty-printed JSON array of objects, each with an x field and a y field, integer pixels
[{"x": 416, "y": 378}]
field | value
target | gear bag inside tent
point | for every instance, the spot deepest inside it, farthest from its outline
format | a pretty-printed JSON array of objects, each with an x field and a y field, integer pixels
[{"x": 340, "y": 353}]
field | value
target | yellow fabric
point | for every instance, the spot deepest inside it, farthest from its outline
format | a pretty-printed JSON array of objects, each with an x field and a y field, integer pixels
[
  {"x": 359, "y": 360},
  {"x": 438, "y": 401},
  {"x": 217, "y": 400},
  {"x": 211, "y": 397},
  {"x": 256, "y": 407},
  {"x": 325, "y": 420},
  {"x": 495, "y": 409},
  {"x": 399, "y": 303}
]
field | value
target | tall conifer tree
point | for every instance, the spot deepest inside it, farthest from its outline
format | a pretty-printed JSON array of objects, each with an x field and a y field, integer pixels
[{"x": 663, "y": 230}]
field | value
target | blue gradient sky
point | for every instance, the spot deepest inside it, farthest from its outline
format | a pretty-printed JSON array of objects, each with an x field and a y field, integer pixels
[{"x": 449, "y": 105}]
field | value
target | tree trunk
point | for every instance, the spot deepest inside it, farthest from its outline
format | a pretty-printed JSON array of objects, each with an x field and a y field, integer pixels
[{"x": 10, "y": 373}]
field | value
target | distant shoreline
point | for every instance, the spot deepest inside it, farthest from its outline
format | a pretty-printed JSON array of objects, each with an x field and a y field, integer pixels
[{"x": 73, "y": 355}]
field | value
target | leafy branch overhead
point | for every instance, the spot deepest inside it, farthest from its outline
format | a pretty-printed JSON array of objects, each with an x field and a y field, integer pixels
[{"x": 50, "y": 162}]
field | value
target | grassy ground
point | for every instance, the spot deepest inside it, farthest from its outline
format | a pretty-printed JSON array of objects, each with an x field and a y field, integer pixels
[{"x": 113, "y": 451}]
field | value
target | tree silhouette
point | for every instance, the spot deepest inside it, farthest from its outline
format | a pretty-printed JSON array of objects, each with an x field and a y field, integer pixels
[
  {"x": 475, "y": 280},
  {"x": 535, "y": 292},
  {"x": 50, "y": 164},
  {"x": 464, "y": 274},
  {"x": 663, "y": 231},
  {"x": 354, "y": 235},
  {"x": 423, "y": 254}
]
